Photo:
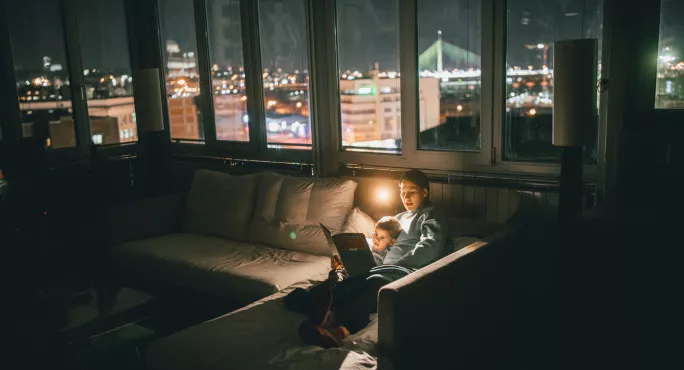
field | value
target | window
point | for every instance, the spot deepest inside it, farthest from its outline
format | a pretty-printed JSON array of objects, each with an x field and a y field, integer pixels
[
  {"x": 449, "y": 74},
  {"x": 41, "y": 72},
  {"x": 368, "y": 57},
  {"x": 533, "y": 26},
  {"x": 182, "y": 78},
  {"x": 106, "y": 70},
  {"x": 670, "y": 80},
  {"x": 284, "y": 54},
  {"x": 227, "y": 72}
]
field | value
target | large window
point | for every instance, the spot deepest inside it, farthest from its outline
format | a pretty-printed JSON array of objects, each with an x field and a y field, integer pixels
[
  {"x": 179, "y": 45},
  {"x": 41, "y": 72},
  {"x": 368, "y": 58},
  {"x": 449, "y": 74},
  {"x": 106, "y": 71},
  {"x": 670, "y": 82},
  {"x": 533, "y": 26},
  {"x": 282, "y": 33},
  {"x": 227, "y": 70}
]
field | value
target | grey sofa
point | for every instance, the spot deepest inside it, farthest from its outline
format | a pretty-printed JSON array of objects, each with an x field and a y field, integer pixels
[{"x": 237, "y": 237}]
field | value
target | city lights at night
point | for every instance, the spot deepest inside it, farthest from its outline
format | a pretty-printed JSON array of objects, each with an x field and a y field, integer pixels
[{"x": 449, "y": 73}]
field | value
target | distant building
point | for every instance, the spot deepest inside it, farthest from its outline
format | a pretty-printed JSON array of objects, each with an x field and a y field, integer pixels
[
  {"x": 225, "y": 31},
  {"x": 371, "y": 108},
  {"x": 183, "y": 118},
  {"x": 112, "y": 121}
]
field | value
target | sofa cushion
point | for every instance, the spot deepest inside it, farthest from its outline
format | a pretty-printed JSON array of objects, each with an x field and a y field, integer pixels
[
  {"x": 243, "y": 272},
  {"x": 220, "y": 204},
  {"x": 359, "y": 222},
  {"x": 289, "y": 209}
]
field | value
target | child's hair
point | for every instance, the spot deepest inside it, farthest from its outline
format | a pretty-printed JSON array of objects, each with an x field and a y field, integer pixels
[{"x": 390, "y": 224}]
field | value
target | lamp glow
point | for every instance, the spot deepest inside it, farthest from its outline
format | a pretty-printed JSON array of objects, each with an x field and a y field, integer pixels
[{"x": 382, "y": 195}]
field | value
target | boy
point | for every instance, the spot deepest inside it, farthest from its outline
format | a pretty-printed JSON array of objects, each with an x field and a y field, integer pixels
[
  {"x": 346, "y": 306},
  {"x": 319, "y": 305},
  {"x": 387, "y": 230}
]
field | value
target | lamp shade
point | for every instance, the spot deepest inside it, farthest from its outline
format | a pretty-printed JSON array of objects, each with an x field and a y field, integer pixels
[
  {"x": 148, "y": 99},
  {"x": 575, "y": 113}
]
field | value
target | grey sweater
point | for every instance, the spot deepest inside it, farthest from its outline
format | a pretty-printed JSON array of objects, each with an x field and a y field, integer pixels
[{"x": 424, "y": 241}]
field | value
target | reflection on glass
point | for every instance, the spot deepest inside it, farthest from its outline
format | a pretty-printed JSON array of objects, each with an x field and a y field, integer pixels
[
  {"x": 227, "y": 70},
  {"x": 41, "y": 72},
  {"x": 450, "y": 79},
  {"x": 670, "y": 80},
  {"x": 182, "y": 76},
  {"x": 107, "y": 72},
  {"x": 533, "y": 26},
  {"x": 282, "y": 31},
  {"x": 368, "y": 57}
]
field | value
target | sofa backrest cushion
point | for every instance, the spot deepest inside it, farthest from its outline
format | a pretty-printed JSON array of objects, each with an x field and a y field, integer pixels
[
  {"x": 220, "y": 204},
  {"x": 289, "y": 209},
  {"x": 359, "y": 222}
]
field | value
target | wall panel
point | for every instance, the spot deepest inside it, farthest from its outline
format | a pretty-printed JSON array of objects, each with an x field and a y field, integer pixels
[{"x": 497, "y": 204}]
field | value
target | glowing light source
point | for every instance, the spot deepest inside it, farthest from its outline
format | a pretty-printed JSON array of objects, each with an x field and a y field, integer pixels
[
  {"x": 364, "y": 90},
  {"x": 382, "y": 194},
  {"x": 459, "y": 107},
  {"x": 533, "y": 112}
]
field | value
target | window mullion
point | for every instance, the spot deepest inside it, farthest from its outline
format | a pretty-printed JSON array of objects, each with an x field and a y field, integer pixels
[
  {"x": 75, "y": 67},
  {"x": 408, "y": 67},
  {"x": 324, "y": 97},
  {"x": 494, "y": 27},
  {"x": 11, "y": 122},
  {"x": 204, "y": 69},
  {"x": 254, "y": 85}
]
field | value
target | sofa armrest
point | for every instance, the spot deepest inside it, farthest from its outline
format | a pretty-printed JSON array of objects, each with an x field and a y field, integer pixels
[
  {"x": 143, "y": 218},
  {"x": 443, "y": 312}
]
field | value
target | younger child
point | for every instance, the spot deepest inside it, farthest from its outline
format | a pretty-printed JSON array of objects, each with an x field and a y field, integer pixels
[{"x": 387, "y": 229}]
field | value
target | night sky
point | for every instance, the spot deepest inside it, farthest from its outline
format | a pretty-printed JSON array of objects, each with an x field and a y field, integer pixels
[{"x": 367, "y": 29}]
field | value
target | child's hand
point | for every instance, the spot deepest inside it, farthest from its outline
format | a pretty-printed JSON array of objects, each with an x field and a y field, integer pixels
[{"x": 336, "y": 263}]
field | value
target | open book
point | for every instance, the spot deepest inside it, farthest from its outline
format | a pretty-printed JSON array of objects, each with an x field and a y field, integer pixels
[{"x": 353, "y": 250}]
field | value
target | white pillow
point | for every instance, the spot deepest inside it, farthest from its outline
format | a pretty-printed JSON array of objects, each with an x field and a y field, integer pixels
[{"x": 359, "y": 222}]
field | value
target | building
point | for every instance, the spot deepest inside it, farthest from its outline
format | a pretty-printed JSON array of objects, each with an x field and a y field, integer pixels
[
  {"x": 371, "y": 108},
  {"x": 112, "y": 121},
  {"x": 183, "y": 118},
  {"x": 226, "y": 34}
]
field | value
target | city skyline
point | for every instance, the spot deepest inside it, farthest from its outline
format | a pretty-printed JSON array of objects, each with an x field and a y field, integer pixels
[{"x": 372, "y": 34}]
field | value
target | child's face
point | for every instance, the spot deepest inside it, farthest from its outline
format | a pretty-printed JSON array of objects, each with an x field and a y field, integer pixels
[{"x": 382, "y": 239}]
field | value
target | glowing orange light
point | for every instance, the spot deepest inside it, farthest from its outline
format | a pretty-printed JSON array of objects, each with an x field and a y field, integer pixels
[{"x": 382, "y": 195}]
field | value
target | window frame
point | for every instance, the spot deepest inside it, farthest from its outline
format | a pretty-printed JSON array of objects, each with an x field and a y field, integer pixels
[
  {"x": 72, "y": 49},
  {"x": 411, "y": 156},
  {"x": 257, "y": 147},
  {"x": 490, "y": 158}
]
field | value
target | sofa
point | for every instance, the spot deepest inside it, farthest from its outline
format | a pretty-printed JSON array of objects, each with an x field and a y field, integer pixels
[
  {"x": 240, "y": 238},
  {"x": 425, "y": 320}
]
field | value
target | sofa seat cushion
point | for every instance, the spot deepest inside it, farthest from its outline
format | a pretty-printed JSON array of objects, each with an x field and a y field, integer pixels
[
  {"x": 243, "y": 272},
  {"x": 262, "y": 335}
]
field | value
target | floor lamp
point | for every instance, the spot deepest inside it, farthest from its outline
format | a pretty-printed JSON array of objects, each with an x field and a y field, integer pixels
[{"x": 574, "y": 114}]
